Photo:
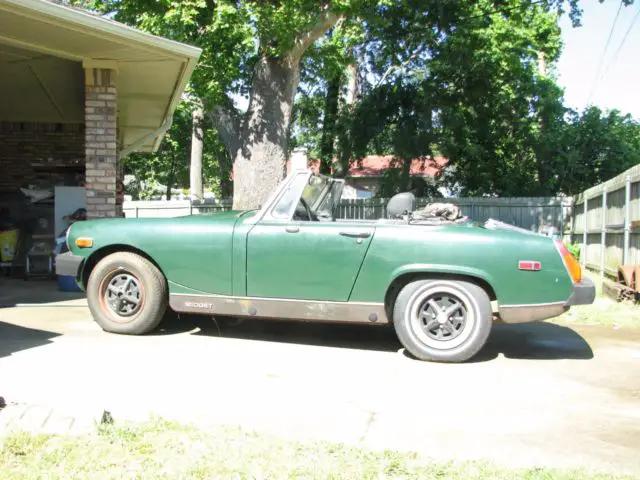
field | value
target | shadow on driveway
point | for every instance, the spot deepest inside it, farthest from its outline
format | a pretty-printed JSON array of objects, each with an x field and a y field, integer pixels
[
  {"x": 531, "y": 341},
  {"x": 14, "y": 338},
  {"x": 35, "y": 292},
  {"x": 535, "y": 341}
]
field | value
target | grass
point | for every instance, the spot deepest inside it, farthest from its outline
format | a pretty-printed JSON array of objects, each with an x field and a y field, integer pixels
[
  {"x": 163, "y": 450},
  {"x": 604, "y": 311}
]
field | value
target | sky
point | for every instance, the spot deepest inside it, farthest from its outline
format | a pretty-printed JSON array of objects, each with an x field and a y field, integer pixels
[{"x": 617, "y": 86}]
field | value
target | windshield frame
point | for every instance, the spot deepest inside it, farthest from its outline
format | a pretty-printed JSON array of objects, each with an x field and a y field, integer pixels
[{"x": 291, "y": 182}]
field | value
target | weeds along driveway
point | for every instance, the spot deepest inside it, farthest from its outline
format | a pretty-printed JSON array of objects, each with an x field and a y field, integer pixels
[{"x": 539, "y": 394}]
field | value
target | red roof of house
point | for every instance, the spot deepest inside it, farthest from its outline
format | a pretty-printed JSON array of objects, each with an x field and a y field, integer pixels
[{"x": 375, "y": 165}]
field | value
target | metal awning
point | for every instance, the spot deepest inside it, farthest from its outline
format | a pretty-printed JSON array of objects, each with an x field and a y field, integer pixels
[{"x": 43, "y": 47}]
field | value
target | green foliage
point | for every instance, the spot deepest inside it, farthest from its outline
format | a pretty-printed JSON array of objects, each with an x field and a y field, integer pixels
[
  {"x": 456, "y": 78},
  {"x": 574, "y": 249},
  {"x": 169, "y": 166},
  {"x": 393, "y": 181},
  {"x": 231, "y": 34},
  {"x": 593, "y": 147},
  {"x": 463, "y": 80}
]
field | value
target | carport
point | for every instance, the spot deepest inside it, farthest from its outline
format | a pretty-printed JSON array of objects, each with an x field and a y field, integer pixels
[{"x": 78, "y": 92}]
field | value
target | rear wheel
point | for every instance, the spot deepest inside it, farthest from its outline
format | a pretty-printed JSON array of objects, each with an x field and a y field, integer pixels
[
  {"x": 127, "y": 294},
  {"x": 442, "y": 320}
]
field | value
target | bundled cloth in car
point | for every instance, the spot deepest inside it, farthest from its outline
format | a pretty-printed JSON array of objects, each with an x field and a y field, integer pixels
[{"x": 447, "y": 211}]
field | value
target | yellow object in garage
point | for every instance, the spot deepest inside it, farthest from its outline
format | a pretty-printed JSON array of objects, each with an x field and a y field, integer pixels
[{"x": 8, "y": 242}]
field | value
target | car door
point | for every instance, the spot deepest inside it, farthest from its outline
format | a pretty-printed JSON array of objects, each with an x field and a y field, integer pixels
[{"x": 305, "y": 260}]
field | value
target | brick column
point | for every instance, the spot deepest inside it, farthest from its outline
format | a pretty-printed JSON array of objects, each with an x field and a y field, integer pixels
[{"x": 101, "y": 148}]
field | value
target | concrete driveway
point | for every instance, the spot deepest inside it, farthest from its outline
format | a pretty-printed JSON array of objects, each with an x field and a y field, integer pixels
[{"x": 539, "y": 394}]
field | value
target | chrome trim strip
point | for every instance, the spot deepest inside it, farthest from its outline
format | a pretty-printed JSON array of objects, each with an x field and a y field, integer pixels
[
  {"x": 531, "y": 312},
  {"x": 278, "y": 308},
  {"x": 529, "y": 305}
]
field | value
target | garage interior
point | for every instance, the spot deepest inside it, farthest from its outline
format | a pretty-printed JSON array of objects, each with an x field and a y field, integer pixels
[{"x": 78, "y": 92}]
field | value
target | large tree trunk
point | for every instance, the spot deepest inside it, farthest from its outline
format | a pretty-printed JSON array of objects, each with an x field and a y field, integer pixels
[
  {"x": 329, "y": 124},
  {"x": 195, "y": 171},
  {"x": 171, "y": 176},
  {"x": 405, "y": 174},
  {"x": 258, "y": 141},
  {"x": 226, "y": 167},
  {"x": 352, "y": 84},
  {"x": 260, "y": 162},
  {"x": 342, "y": 166}
]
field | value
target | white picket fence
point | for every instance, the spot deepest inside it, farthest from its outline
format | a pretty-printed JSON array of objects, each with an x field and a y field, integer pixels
[
  {"x": 171, "y": 208},
  {"x": 531, "y": 213}
]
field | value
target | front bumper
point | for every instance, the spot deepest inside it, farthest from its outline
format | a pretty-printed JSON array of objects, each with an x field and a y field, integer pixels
[
  {"x": 584, "y": 293},
  {"x": 69, "y": 264}
]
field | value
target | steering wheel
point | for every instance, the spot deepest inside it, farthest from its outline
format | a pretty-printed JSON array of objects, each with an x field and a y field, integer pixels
[{"x": 307, "y": 209}]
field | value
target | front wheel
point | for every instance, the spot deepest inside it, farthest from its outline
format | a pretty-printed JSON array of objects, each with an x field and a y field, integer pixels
[
  {"x": 127, "y": 294},
  {"x": 442, "y": 320}
]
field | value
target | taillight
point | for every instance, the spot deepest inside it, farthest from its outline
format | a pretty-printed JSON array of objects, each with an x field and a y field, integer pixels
[{"x": 570, "y": 262}]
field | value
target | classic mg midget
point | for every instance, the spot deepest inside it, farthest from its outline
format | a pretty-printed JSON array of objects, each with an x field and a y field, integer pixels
[{"x": 440, "y": 280}]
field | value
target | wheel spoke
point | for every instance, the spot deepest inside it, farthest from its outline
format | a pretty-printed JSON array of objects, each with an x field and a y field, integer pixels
[
  {"x": 432, "y": 324},
  {"x": 133, "y": 299},
  {"x": 452, "y": 309},
  {"x": 433, "y": 304},
  {"x": 449, "y": 328}
]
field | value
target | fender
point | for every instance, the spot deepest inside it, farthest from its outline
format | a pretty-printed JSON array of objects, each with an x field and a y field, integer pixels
[{"x": 442, "y": 268}]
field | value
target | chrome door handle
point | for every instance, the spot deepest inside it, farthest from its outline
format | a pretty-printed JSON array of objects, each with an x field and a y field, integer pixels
[
  {"x": 292, "y": 229},
  {"x": 355, "y": 234}
]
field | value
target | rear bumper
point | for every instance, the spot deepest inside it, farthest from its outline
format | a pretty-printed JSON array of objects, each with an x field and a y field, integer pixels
[
  {"x": 584, "y": 293},
  {"x": 69, "y": 264}
]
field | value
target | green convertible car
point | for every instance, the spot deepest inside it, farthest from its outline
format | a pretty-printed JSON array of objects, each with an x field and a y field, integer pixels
[{"x": 440, "y": 279}]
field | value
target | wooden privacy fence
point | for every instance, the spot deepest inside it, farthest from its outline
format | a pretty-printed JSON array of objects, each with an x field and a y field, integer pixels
[
  {"x": 606, "y": 222},
  {"x": 531, "y": 213}
]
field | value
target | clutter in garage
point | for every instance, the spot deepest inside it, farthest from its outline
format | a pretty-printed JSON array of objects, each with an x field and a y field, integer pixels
[{"x": 32, "y": 221}]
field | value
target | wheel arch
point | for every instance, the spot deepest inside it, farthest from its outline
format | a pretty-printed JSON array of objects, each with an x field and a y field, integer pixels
[
  {"x": 101, "y": 253},
  {"x": 403, "y": 278}
]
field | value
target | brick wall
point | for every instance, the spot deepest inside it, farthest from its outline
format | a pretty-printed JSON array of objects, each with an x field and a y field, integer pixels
[
  {"x": 101, "y": 143},
  {"x": 40, "y": 152}
]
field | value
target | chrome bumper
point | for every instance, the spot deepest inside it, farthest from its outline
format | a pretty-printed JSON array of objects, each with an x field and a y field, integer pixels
[
  {"x": 584, "y": 293},
  {"x": 69, "y": 264}
]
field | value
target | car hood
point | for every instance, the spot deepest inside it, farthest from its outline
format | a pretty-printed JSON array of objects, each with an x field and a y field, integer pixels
[{"x": 110, "y": 225}]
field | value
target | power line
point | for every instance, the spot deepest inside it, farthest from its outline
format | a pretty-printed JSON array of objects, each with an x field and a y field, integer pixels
[
  {"x": 624, "y": 39},
  {"x": 604, "y": 52}
]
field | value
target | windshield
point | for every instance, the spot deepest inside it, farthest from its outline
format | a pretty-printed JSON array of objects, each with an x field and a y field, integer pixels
[
  {"x": 315, "y": 189},
  {"x": 320, "y": 196}
]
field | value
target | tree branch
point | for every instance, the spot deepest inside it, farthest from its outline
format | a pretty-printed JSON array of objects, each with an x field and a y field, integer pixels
[
  {"x": 305, "y": 39},
  {"x": 226, "y": 120},
  {"x": 402, "y": 65}
]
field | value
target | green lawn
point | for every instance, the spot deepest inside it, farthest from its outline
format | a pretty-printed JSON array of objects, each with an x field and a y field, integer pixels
[
  {"x": 158, "y": 450},
  {"x": 604, "y": 311}
]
